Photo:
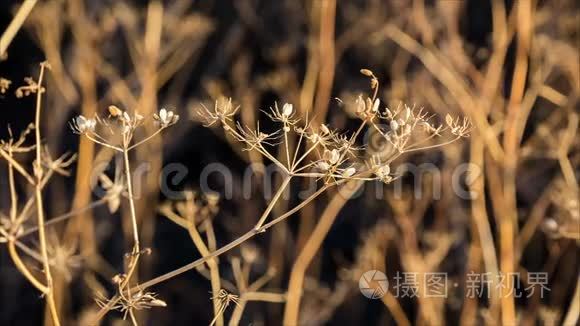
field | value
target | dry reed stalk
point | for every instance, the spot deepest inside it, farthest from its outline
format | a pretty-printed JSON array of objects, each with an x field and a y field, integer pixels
[
  {"x": 508, "y": 224},
  {"x": 326, "y": 50},
  {"x": 39, "y": 206},
  {"x": 311, "y": 247},
  {"x": 15, "y": 25},
  {"x": 481, "y": 218}
]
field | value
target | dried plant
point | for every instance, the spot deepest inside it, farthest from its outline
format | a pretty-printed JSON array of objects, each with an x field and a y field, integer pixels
[{"x": 502, "y": 94}]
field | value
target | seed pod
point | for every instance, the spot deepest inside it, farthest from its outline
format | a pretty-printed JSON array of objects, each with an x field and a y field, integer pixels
[
  {"x": 348, "y": 172},
  {"x": 449, "y": 120},
  {"x": 323, "y": 166},
  {"x": 366, "y": 72},
  {"x": 287, "y": 110},
  {"x": 376, "y": 105},
  {"x": 114, "y": 111}
]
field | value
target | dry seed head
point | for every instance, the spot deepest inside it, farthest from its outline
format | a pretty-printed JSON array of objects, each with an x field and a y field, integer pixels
[
  {"x": 449, "y": 121},
  {"x": 225, "y": 298},
  {"x": 331, "y": 156},
  {"x": 407, "y": 114},
  {"x": 152, "y": 301},
  {"x": 360, "y": 105},
  {"x": 212, "y": 198},
  {"x": 119, "y": 278},
  {"x": 31, "y": 88},
  {"x": 348, "y": 172},
  {"x": 63, "y": 257},
  {"x": 407, "y": 130},
  {"x": 165, "y": 118},
  {"x": 322, "y": 165},
  {"x": 8, "y": 229},
  {"x": 82, "y": 125},
  {"x": 366, "y": 108},
  {"x": 376, "y": 104},
  {"x": 114, "y": 111},
  {"x": 367, "y": 72},
  {"x": 389, "y": 114},
  {"x": 550, "y": 225},
  {"x": 384, "y": 170},
  {"x": 223, "y": 111},
  {"x": 324, "y": 129},
  {"x": 287, "y": 110},
  {"x": 126, "y": 116},
  {"x": 283, "y": 115}
]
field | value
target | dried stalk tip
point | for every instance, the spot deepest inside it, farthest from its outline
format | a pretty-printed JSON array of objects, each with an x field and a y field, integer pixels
[
  {"x": 4, "y": 85},
  {"x": 165, "y": 118},
  {"x": 31, "y": 88},
  {"x": 114, "y": 111},
  {"x": 367, "y": 73}
]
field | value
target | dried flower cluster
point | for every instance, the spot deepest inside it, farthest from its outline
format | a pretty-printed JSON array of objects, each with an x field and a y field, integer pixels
[
  {"x": 514, "y": 72},
  {"x": 130, "y": 303},
  {"x": 120, "y": 122},
  {"x": 31, "y": 88},
  {"x": 330, "y": 155}
]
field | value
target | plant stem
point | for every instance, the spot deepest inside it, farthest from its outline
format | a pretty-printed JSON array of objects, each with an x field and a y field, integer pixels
[
  {"x": 273, "y": 202},
  {"x": 286, "y": 145},
  {"x": 39, "y": 207},
  {"x": 243, "y": 238},
  {"x": 23, "y": 269},
  {"x": 212, "y": 263},
  {"x": 17, "y": 166},
  {"x": 145, "y": 139},
  {"x": 13, "y": 194},
  {"x": 136, "y": 248},
  {"x": 15, "y": 25},
  {"x": 311, "y": 248},
  {"x": 64, "y": 217},
  {"x": 304, "y": 155}
]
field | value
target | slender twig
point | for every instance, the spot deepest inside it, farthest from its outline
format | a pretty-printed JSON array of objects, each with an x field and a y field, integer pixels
[
  {"x": 254, "y": 296},
  {"x": 17, "y": 166},
  {"x": 136, "y": 248},
  {"x": 38, "y": 194},
  {"x": 23, "y": 269},
  {"x": 64, "y": 216},
  {"x": 145, "y": 139},
  {"x": 212, "y": 263},
  {"x": 13, "y": 194},
  {"x": 241, "y": 239},
  {"x": 273, "y": 202},
  {"x": 104, "y": 144}
]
